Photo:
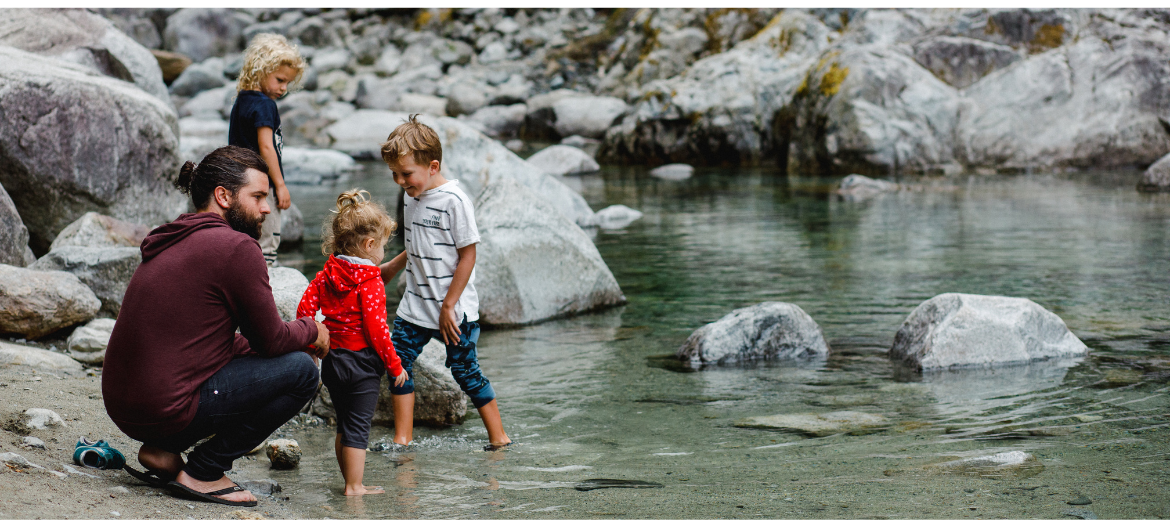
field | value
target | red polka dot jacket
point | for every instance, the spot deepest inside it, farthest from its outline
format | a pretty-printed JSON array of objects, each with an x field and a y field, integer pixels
[{"x": 353, "y": 299}]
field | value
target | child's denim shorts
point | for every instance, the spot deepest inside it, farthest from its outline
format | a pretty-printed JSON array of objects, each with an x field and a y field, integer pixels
[{"x": 409, "y": 340}]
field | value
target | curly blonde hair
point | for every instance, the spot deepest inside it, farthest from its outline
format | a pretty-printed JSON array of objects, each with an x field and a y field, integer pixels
[
  {"x": 355, "y": 219},
  {"x": 264, "y": 55}
]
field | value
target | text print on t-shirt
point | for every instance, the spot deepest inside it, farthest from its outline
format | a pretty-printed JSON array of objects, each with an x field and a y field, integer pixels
[{"x": 432, "y": 220}]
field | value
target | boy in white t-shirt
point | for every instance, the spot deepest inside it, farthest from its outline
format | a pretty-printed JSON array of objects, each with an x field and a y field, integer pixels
[{"x": 439, "y": 231}]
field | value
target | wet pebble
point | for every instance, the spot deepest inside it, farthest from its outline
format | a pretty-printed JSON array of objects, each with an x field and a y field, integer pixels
[
  {"x": 284, "y": 453},
  {"x": 1083, "y": 514},
  {"x": 1080, "y": 501}
]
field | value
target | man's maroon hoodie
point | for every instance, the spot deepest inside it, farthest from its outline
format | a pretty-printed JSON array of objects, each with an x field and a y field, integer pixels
[{"x": 199, "y": 280}]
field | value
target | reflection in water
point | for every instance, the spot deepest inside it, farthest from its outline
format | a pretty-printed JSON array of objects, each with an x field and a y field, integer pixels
[{"x": 596, "y": 396}]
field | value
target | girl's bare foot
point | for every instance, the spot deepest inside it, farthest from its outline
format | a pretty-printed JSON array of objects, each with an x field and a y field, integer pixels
[{"x": 363, "y": 490}]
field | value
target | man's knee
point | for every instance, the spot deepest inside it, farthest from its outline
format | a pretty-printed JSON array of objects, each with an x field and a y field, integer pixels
[{"x": 301, "y": 371}]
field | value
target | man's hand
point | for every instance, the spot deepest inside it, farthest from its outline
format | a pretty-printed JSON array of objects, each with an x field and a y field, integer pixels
[
  {"x": 401, "y": 378},
  {"x": 448, "y": 325},
  {"x": 322, "y": 342},
  {"x": 283, "y": 199}
]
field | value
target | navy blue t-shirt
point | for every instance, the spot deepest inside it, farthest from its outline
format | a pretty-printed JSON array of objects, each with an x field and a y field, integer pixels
[{"x": 252, "y": 111}]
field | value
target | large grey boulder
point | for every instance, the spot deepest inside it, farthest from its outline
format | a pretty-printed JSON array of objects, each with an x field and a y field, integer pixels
[
  {"x": 464, "y": 98},
  {"x": 199, "y": 77},
  {"x": 288, "y": 285},
  {"x": 723, "y": 108},
  {"x": 88, "y": 342},
  {"x": 13, "y": 234},
  {"x": 36, "y": 303},
  {"x": 310, "y": 166},
  {"x": 75, "y": 142},
  {"x": 533, "y": 264},
  {"x": 438, "y": 400},
  {"x": 1093, "y": 103},
  {"x": 210, "y": 104},
  {"x": 86, "y": 39},
  {"x": 468, "y": 155},
  {"x": 498, "y": 120},
  {"x": 769, "y": 330},
  {"x": 203, "y": 33},
  {"x": 37, "y": 358},
  {"x": 105, "y": 270},
  {"x": 97, "y": 230},
  {"x": 1157, "y": 176},
  {"x": 872, "y": 108},
  {"x": 588, "y": 116},
  {"x": 955, "y": 330},
  {"x": 560, "y": 159},
  {"x": 292, "y": 227}
]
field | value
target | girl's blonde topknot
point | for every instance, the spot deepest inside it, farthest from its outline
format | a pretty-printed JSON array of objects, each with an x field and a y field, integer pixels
[
  {"x": 266, "y": 53},
  {"x": 355, "y": 218}
]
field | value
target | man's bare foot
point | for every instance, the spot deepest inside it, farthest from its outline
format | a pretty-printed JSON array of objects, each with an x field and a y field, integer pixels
[
  {"x": 363, "y": 490},
  {"x": 207, "y": 487},
  {"x": 159, "y": 460}
]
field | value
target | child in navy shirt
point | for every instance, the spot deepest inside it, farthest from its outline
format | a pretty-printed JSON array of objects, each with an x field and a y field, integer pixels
[{"x": 271, "y": 65}]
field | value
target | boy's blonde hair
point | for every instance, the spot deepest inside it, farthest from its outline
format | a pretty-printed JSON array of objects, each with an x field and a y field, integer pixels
[
  {"x": 264, "y": 55},
  {"x": 414, "y": 138},
  {"x": 355, "y": 218}
]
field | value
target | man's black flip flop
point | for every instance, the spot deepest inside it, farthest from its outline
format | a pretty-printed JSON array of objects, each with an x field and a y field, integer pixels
[
  {"x": 213, "y": 496},
  {"x": 152, "y": 477}
]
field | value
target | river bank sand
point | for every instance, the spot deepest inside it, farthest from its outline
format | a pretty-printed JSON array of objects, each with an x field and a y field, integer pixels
[{"x": 64, "y": 490}]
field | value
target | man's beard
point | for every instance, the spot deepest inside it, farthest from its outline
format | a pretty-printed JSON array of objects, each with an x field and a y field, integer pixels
[{"x": 239, "y": 220}]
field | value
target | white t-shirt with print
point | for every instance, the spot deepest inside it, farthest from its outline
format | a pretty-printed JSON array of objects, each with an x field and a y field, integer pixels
[{"x": 435, "y": 225}]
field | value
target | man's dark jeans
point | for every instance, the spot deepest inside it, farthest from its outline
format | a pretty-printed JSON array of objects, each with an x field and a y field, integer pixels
[{"x": 242, "y": 405}]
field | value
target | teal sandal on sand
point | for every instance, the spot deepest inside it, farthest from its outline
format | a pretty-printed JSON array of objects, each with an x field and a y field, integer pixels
[{"x": 97, "y": 455}]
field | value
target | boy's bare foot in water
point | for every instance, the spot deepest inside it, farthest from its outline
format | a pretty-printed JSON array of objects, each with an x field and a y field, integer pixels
[{"x": 363, "y": 490}]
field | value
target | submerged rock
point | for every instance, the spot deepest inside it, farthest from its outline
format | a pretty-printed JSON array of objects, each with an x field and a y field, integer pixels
[
  {"x": 265, "y": 487},
  {"x": 1000, "y": 465},
  {"x": 533, "y": 264},
  {"x": 819, "y": 424},
  {"x": 438, "y": 400},
  {"x": 673, "y": 172},
  {"x": 283, "y": 453},
  {"x": 955, "y": 330},
  {"x": 769, "y": 330},
  {"x": 561, "y": 159},
  {"x": 32, "y": 357},
  {"x": 855, "y": 188},
  {"x": 607, "y": 483},
  {"x": 88, "y": 343},
  {"x": 105, "y": 270},
  {"x": 616, "y": 216},
  {"x": 97, "y": 230},
  {"x": 35, "y": 303}
]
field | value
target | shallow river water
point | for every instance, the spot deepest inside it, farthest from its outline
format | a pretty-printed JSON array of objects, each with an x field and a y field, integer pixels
[{"x": 598, "y": 397}]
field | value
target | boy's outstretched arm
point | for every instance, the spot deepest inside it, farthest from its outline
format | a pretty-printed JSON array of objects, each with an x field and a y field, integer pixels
[
  {"x": 448, "y": 321},
  {"x": 391, "y": 268},
  {"x": 268, "y": 153}
]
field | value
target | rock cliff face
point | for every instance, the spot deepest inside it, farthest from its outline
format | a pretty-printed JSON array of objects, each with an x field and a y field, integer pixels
[{"x": 917, "y": 90}]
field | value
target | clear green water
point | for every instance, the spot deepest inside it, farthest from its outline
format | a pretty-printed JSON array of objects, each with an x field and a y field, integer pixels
[{"x": 596, "y": 396}]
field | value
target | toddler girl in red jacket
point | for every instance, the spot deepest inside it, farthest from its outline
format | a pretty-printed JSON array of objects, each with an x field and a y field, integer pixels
[{"x": 350, "y": 293}]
